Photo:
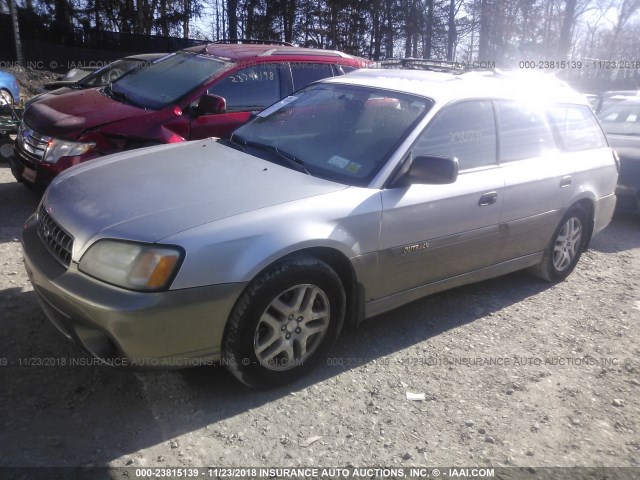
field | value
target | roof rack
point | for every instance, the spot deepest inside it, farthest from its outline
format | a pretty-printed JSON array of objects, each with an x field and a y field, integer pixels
[
  {"x": 253, "y": 42},
  {"x": 425, "y": 64},
  {"x": 306, "y": 52}
]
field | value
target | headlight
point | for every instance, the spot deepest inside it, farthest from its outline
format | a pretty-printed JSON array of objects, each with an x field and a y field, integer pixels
[
  {"x": 131, "y": 265},
  {"x": 62, "y": 148}
]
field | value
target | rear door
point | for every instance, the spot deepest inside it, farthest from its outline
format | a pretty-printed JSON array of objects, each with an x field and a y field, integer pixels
[
  {"x": 538, "y": 179},
  {"x": 548, "y": 157},
  {"x": 433, "y": 232}
]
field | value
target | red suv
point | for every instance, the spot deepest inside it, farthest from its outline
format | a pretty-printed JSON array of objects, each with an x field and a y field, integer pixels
[{"x": 204, "y": 91}]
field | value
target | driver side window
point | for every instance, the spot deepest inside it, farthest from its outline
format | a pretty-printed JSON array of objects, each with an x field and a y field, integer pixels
[{"x": 252, "y": 88}]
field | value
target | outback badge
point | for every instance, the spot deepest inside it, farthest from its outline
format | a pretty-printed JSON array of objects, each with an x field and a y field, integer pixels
[{"x": 416, "y": 247}]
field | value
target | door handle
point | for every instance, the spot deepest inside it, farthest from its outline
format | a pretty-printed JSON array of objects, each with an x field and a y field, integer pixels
[
  {"x": 565, "y": 181},
  {"x": 488, "y": 198}
]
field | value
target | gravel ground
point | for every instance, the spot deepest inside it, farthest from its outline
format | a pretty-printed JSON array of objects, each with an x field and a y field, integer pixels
[
  {"x": 513, "y": 372},
  {"x": 31, "y": 80}
]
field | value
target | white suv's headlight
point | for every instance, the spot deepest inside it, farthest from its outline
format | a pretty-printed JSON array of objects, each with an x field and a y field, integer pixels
[
  {"x": 130, "y": 265},
  {"x": 62, "y": 148}
]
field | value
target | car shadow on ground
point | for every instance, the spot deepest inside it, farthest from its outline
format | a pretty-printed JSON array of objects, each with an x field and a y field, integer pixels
[
  {"x": 115, "y": 412},
  {"x": 17, "y": 202},
  {"x": 623, "y": 233}
]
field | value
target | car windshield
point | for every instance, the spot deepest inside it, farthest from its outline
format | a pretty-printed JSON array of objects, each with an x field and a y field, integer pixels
[
  {"x": 163, "y": 83},
  {"x": 621, "y": 119},
  {"x": 108, "y": 73},
  {"x": 340, "y": 132}
]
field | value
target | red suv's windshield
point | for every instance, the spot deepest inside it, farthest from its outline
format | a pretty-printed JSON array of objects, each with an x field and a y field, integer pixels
[{"x": 163, "y": 83}]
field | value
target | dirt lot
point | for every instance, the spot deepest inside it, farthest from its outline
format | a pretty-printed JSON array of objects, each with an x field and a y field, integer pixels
[{"x": 514, "y": 372}]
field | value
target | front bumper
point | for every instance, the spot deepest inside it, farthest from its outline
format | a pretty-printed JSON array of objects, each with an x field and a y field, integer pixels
[
  {"x": 40, "y": 174},
  {"x": 167, "y": 329}
]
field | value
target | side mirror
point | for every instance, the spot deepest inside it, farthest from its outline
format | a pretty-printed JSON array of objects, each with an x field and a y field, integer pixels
[
  {"x": 210, "y": 105},
  {"x": 428, "y": 170}
]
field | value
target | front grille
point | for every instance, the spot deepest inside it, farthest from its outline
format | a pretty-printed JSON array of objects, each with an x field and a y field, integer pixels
[
  {"x": 59, "y": 242},
  {"x": 31, "y": 143}
]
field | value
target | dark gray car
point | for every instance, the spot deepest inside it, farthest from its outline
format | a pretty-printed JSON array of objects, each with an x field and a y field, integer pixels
[
  {"x": 621, "y": 122},
  {"x": 101, "y": 77}
]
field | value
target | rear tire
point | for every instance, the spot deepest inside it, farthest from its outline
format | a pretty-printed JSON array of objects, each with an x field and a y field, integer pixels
[
  {"x": 565, "y": 248},
  {"x": 284, "y": 323}
]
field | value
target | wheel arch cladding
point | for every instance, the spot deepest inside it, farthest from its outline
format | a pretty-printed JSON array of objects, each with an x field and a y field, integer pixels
[
  {"x": 338, "y": 261},
  {"x": 354, "y": 291},
  {"x": 588, "y": 206}
]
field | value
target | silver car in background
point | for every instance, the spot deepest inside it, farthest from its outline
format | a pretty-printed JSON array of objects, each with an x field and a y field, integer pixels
[{"x": 352, "y": 197}]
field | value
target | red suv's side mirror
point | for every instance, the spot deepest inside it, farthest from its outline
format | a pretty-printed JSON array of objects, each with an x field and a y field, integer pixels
[{"x": 210, "y": 105}]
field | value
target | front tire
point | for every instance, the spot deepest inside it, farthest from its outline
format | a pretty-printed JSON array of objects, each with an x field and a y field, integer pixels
[
  {"x": 284, "y": 323},
  {"x": 567, "y": 244}
]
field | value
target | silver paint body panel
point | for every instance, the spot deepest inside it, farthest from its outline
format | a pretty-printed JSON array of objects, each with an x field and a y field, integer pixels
[{"x": 235, "y": 214}]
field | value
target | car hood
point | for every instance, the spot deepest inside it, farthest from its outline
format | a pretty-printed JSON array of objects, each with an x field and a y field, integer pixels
[
  {"x": 47, "y": 94},
  {"x": 67, "y": 116},
  {"x": 9, "y": 81},
  {"x": 627, "y": 146},
  {"x": 152, "y": 193},
  {"x": 631, "y": 142}
]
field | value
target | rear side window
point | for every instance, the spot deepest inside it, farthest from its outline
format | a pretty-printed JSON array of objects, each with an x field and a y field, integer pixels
[
  {"x": 577, "y": 127},
  {"x": 305, "y": 73},
  {"x": 250, "y": 88},
  {"x": 344, "y": 69},
  {"x": 523, "y": 131},
  {"x": 465, "y": 130}
]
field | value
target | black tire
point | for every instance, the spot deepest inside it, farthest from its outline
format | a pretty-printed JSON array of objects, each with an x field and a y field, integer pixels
[
  {"x": 565, "y": 248},
  {"x": 265, "y": 314},
  {"x": 6, "y": 149}
]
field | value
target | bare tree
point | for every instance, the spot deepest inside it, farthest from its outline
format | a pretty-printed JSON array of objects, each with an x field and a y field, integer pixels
[{"x": 626, "y": 10}]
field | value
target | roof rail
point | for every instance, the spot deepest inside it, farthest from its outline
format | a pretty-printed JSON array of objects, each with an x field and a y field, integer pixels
[
  {"x": 253, "y": 42},
  {"x": 426, "y": 64},
  {"x": 305, "y": 51}
]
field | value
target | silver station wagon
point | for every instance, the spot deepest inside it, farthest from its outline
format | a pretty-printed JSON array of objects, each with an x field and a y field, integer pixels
[{"x": 353, "y": 196}]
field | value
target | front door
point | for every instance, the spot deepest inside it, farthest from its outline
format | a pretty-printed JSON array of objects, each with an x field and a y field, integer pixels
[
  {"x": 245, "y": 90},
  {"x": 434, "y": 232}
]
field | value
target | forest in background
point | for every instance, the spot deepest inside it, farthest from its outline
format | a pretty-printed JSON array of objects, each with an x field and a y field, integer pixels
[{"x": 501, "y": 31}]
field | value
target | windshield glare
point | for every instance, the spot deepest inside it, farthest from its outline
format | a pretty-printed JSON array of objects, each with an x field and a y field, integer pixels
[
  {"x": 621, "y": 119},
  {"x": 341, "y": 132},
  {"x": 108, "y": 73},
  {"x": 163, "y": 83}
]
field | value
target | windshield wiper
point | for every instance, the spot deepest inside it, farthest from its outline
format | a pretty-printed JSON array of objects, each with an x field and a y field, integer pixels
[
  {"x": 121, "y": 96},
  {"x": 286, "y": 159}
]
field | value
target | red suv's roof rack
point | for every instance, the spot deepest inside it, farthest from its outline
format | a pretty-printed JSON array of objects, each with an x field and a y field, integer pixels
[{"x": 253, "y": 42}]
